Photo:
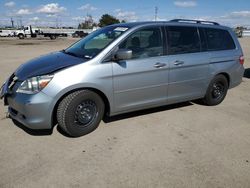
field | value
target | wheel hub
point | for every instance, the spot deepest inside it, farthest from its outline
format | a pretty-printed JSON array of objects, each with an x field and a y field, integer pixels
[
  {"x": 85, "y": 113},
  {"x": 218, "y": 90}
]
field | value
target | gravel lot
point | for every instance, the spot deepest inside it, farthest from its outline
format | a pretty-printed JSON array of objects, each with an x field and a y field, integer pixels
[{"x": 184, "y": 145}]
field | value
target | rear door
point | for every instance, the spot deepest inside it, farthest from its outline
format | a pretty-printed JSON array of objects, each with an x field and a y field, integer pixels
[
  {"x": 188, "y": 74},
  {"x": 141, "y": 81},
  {"x": 221, "y": 46}
]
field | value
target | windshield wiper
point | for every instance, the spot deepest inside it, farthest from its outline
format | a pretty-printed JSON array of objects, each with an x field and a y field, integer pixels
[
  {"x": 70, "y": 53},
  {"x": 75, "y": 55},
  {"x": 87, "y": 56}
]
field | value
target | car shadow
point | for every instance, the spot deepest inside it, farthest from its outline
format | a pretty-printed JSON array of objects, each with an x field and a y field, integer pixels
[
  {"x": 32, "y": 132},
  {"x": 247, "y": 73},
  {"x": 108, "y": 119},
  {"x": 59, "y": 129}
]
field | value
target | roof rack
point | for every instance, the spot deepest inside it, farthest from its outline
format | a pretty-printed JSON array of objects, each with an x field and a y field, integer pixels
[{"x": 195, "y": 21}]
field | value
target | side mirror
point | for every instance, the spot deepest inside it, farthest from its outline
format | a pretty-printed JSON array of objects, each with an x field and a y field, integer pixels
[{"x": 123, "y": 54}]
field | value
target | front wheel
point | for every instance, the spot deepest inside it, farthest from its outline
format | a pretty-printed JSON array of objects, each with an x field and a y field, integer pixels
[
  {"x": 80, "y": 112},
  {"x": 217, "y": 91},
  {"x": 21, "y": 36}
]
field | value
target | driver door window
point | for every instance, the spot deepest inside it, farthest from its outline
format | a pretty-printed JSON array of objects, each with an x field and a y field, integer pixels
[{"x": 144, "y": 43}]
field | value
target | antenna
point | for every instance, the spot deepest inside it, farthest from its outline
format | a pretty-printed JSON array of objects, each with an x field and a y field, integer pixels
[{"x": 156, "y": 13}]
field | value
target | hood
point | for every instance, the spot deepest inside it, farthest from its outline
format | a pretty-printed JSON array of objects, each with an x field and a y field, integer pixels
[{"x": 46, "y": 64}]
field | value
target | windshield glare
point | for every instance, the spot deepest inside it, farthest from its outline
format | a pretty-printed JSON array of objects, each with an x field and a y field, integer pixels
[{"x": 94, "y": 43}]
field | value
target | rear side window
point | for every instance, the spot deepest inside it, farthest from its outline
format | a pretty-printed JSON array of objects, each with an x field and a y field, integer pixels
[
  {"x": 218, "y": 39},
  {"x": 183, "y": 40}
]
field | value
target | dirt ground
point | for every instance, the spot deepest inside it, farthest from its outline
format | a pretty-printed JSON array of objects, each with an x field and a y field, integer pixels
[{"x": 184, "y": 145}]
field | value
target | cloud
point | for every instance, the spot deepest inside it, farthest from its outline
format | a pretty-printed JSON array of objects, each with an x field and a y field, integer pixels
[
  {"x": 52, "y": 8},
  {"x": 23, "y": 12},
  {"x": 35, "y": 19},
  {"x": 236, "y": 15},
  {"x": 87, "y": 7},
  {"x": 231, "y": 19},
  {"x": 51, "y": 15},
  {"x": 126, "y": 15},
  {"x": 10, "y": 4},
  {"x": 82, "y": 19},
  {"x": 77, "y": 18},
  {"x": 185, "y": 4},
  {"x": 244, "y": 13},
  {"x": 235, "y": 18}
]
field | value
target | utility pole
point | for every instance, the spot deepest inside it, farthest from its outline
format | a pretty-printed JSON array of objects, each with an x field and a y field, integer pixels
[
  {"x": 156, "y": 13},
  {"x": 57, "y": 25},
  {"x": 21, "y": 21},
  {"x": 12, "y": 22}
]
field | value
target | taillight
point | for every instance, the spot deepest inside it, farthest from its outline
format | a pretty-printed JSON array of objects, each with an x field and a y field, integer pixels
[{"x": 241, "y": 60}]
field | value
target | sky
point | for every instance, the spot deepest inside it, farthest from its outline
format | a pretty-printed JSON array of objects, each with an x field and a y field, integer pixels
[{"x": 72, "y": 12}]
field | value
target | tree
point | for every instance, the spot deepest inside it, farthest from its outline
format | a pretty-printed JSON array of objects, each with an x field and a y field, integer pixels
[
  {"x": 88, "y": 23},
  {"x": 107, "y": 19}
]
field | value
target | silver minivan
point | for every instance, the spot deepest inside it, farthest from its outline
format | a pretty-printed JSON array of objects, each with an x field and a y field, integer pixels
[{"x": 123, "y": 68}]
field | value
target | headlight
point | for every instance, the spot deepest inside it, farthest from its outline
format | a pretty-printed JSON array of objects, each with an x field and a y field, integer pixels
[{"x": 35, "y": 84}]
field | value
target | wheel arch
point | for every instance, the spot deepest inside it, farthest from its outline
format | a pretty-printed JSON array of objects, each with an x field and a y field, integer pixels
[
  {"x": 99, "y": 92},
  {"x": 227, "y": 77}
]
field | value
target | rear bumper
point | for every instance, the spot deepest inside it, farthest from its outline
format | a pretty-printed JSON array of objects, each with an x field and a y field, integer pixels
[
  {"x": 236, "y": 76},
  {"x": 33, "y": 111}
]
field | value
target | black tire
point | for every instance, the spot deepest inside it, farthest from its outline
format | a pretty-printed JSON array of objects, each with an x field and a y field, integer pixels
[
  {"x": 52, "y": 37},
  {"x": 80, "y": 112},
  {"x": 217, "y": 91},
  {"x": 21, "y": 36}
]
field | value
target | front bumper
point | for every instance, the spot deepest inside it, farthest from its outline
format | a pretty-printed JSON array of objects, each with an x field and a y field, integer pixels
[{"x": 33, "y": 111}]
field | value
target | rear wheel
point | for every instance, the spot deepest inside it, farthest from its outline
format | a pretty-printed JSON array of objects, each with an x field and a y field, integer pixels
[
  {"x": 80, "y": 112},
  {"x": 52, "y": 37},
  {"x": 217, "y": 91}
]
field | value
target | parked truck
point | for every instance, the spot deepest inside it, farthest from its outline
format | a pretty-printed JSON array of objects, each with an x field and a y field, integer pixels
[{"x": 28, "y": 31}]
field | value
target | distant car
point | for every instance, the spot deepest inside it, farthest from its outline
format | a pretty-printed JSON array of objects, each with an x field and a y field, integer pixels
[
  {"x": 238, "y": 32},
  {"x": 79, "y": 34},
  {"x": 123, "y": 68}
]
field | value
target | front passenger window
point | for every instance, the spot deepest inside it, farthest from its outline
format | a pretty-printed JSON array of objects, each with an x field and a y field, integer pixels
[
  {"x": 183, "y": 40},
  {"x": 144, "y": 43}
]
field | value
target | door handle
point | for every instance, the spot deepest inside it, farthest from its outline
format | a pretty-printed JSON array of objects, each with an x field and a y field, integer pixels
[
  {"x": 178, "y": 62},
  {"x": 159, "y": 65}
]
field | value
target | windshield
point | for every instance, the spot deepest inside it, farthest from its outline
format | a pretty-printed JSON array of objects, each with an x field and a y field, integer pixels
[{"x": 94, "y": 43}]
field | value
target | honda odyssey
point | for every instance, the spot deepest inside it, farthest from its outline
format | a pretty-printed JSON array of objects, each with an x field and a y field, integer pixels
[{"x": 123, "y": 68}]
